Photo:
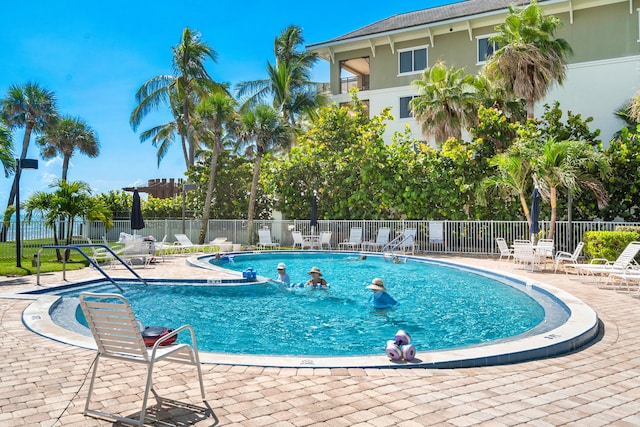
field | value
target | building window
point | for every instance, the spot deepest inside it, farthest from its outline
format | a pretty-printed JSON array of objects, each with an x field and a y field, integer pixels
[
  {"x": 412, "y": 60},
  {"x": 405, "y": 109},
  {"x": 485, "y": 48}
]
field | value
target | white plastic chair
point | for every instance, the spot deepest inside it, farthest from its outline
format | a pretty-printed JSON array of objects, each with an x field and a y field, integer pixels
[
  {"x": 381, "y": 239},
  {"x": 505, "y": 250},
  {"x": 568, "y": 257},
  {"x": 118, "y": 336},
  {"x": 355, "y": 239},
  {"x": 298, "y": 240},
  {"x": 264, "y": 236},
  {"x": 323, "y": 240}
]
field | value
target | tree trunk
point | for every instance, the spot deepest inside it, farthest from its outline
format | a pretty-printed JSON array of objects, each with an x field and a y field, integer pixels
[
  {"x": 206, "y": 211},
  {"x": 16, "y": 178},
  {"x": 252, "y": 198},
  {"x": 553, "y": 199}
]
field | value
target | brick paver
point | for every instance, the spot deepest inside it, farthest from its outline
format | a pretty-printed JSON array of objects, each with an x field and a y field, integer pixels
[{"x": 44, "y": 383}]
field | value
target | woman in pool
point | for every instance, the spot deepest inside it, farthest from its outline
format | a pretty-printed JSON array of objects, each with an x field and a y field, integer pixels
[
  {"x": 380, "y": 297},
  {"x": 283, "y": 277},
  {"x": 316, "y": 279}
]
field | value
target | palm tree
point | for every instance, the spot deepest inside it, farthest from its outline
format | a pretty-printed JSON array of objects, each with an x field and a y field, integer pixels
[
  {"x": 6, "y": 150},
  {"x": 530, "y": 60},
  {"x": 214, "y": 113},
  {"x": 570, "y": 165},
  {"x": 65, "y": 137},
  {"x": 29, "y": 106},
  {"x": 513, "y": 177},
  {"x": 182, "y": 91},
  {"x": 446, "y": 102},
  {"x": 69, "y": 200},
  {"x": 262, "y": 131},
  {"x": 288, "y": 84},
  {"x": 635, "y": 107}
]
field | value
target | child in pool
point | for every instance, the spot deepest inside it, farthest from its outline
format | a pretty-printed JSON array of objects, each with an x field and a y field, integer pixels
[{"x": 380, "y": 297}]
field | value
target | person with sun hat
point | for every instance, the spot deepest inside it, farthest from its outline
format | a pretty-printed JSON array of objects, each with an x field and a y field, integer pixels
[
  {"x": 316, "y": 279},
  {"x": 380, "y": 297}
]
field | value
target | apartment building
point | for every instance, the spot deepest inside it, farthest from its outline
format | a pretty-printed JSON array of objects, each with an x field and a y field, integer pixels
[{"x": 384, "y": 58}]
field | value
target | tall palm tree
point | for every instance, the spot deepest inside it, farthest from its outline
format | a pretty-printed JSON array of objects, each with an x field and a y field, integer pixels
[
  {"x": 182, "y": 91},
  {"x": 214, "y": 112},
  {"x": 29, "y": 106},
  {"x": 569, "y": 165},
  {"x": 262, "y": 131},
  {"x": 446, "y": 102},
  {"x": 530, "y": 59},
  {"x": 288, "y": 84},
  {"x": 65, "y": 137}
]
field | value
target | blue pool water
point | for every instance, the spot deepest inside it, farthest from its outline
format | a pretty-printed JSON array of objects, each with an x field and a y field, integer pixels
[{"x": 441, "y": 307}]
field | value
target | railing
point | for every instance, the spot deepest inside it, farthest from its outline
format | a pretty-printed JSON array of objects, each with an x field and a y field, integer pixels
[
  {"x": 450, "y": 237},
  {"x": 360, "y": 82}
]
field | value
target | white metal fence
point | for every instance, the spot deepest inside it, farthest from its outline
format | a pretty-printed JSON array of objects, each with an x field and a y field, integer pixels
[{"x": 455, "y": 237}]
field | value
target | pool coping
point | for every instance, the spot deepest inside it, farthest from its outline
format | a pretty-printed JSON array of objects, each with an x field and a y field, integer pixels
[{"x": 581, "y": 327}]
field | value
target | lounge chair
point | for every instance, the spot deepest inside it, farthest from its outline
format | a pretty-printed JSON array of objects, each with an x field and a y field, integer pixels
[
  {"x": 599, "y": 266},
  {"x": 381, "y": 239},
  {"x": 505, "y": 250},
  {"x": 184, "y": 245},
  {"x": 568, "y": 257},
  {"x": 118, "y": 336},
  {"x": 265, "y": 242},
  {"x": 355, "y": 239},
  {"x": 323, "y": 240},
  {"x": 298, "y": 240}
]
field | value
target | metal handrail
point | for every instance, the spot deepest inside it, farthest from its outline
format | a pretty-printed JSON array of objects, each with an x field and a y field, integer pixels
[
  {"x": 78, "y": 247},
  {"x": 400, "y": 240}
]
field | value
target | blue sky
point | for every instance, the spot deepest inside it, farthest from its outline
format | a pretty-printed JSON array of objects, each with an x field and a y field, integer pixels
[{"x": 95, "y": 55}]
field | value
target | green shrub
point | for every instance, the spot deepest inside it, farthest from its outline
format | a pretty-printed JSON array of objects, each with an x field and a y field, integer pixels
[{"x": 608, "y": 244}]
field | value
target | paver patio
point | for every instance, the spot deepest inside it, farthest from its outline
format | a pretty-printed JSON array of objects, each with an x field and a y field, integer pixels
[{"x": 43, "y": 381}]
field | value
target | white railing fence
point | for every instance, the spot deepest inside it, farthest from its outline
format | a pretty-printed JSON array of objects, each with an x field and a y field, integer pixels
[{"x": 454, "y": 237}]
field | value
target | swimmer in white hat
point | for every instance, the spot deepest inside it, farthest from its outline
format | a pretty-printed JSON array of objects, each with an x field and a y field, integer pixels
[{"x": 283, "y": 277}]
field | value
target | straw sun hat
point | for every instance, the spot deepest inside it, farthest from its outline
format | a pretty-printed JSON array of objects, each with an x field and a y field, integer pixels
[
  {"x": 377, "y": 285},
  {"x": 315, "y": 270}
]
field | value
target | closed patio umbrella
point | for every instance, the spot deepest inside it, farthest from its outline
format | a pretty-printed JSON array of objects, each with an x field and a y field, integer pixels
[
  {"x": 535, "y": 213},
  {"x": 137, "y": 222},
  {"x": 314, "y": 211}
]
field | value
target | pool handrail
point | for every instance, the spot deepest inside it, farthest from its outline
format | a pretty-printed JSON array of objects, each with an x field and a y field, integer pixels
[{"x": 78, "y": 247}]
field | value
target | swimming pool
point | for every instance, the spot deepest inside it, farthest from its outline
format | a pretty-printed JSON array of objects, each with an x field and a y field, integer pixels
[{"x": 314, "y": 309}]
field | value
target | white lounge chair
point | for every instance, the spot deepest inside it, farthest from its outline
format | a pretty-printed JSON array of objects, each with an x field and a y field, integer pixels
[
  {"x": 568, "y": 257},
  {"x": 323, "y": 240},
  {"x": 184, "y": 245},
  {"x": 505, "y": 250},
  {"x": 298, "y": 240},
  {"x": 265, "y": 242},
  {"x": 355, "y": 239},
  {"x": 381, "y": 239},
  {"x": 118, "y": 336},
  {"x": 622, "y": 264}
]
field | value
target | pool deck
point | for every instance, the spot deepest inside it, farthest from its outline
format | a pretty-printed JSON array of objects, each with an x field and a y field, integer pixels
[{"x": 43, "y": 381}]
